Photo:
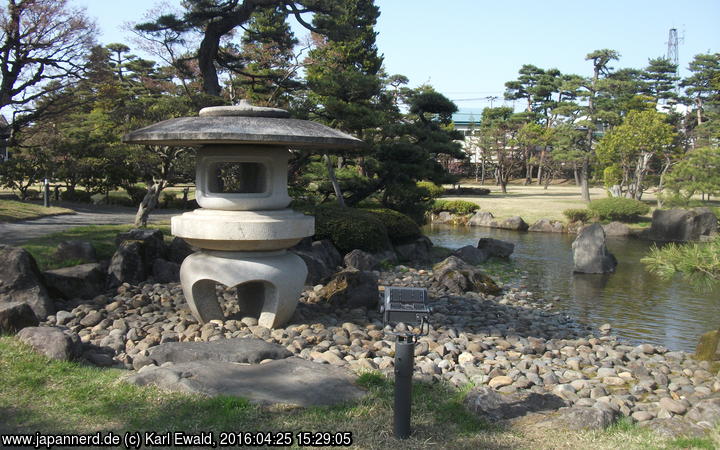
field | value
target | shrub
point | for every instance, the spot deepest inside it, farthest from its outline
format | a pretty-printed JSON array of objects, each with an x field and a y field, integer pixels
[
  {"x": 618, "y": 208},
  {"x": 434, "y": 190},
  {"x": 76, "y": 196},
  {"x": 577, "y": 214},
  {"x": 350, "y": 228},
  {"x": 401, "y": 229},
  {"x": 455, "y": 206},
  {"x": 136, "y": 193}
]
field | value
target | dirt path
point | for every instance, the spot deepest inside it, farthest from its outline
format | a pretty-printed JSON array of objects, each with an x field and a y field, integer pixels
[{"x": 18, "y": 232}]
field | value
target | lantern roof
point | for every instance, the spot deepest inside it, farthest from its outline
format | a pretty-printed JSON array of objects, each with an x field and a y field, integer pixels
[{"x": 243, "y": 124}]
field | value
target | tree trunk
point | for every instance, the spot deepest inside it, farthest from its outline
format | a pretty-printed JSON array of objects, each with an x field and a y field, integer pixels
[
  {"x": 658, "y": 195},
  {"x": 584, "y": 175},
  {"x": 575, "y": 174},
  {"x": 503, "y": 186},
  {"x": 149, "y": 202},
  {"x": 334, "y": 181}
]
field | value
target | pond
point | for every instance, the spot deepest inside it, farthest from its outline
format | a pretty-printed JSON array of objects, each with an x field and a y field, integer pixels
[{"x": 640, "y": 306}]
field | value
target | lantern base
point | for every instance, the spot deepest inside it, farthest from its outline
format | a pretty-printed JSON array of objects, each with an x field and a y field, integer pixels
[{"x": 268, "y": 284}]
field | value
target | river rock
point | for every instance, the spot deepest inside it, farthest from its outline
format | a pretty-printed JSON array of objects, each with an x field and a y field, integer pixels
[
  {"x": 351, "y": 289},
  {"x": 82, "y": 281},
  {"x": 547, "y": 226},
  {"x": 360, "y": 260},
  {"x": 15, "y": 316},
  {"x": 590, "y": 254},
  {"x": 290, "y": 381},
  {"x": 515, "y": 223},
  {"x": 490, "y": 404},
  {"x": 483, "y": 219},
  {"x": 52, "y": 342},
  {"x": 496, "y": 247},
  {"x": 21, "y": 281},
  {"x": 76, "y": 250},
  {"x": 459, "y": 277},
  {"x": 471, "y": 255},
  {"x": 680, "y": 225}
]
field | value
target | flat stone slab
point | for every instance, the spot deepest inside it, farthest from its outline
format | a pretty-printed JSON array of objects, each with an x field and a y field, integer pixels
[
  {"x": 238, "y": 350},
  {"x": 290, "y": 381}
]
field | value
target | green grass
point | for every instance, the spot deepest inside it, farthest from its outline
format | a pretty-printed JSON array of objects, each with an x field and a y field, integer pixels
[
  {"x": 102, "y": 238},
  {"x": 13, "y": 211}
]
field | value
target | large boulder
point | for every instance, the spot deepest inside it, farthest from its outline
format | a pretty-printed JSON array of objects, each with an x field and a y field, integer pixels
[
  {"x": 547, "y": 226},
  {"x": 459, "y": 277},
  {"x": 178, "y": 250},
  {"x": 490, "y": 404},
  {"x": 76, "y": 250},
  {"x": 572, "y": 418},
  {"x": 165, "y": 271},
  {"x": 496, "y": 247},
  {"x": 127, "y": 264},
  {"x": 237, "y": 350},
  {"x": 53, "y": 342},
  {"x": 708, "y": 348},
  {"x": 616, "y": 229},
  {"x": 289, "y": 381},
  {"x": 471, "y": 255},
  {"x": 360, "y": 260},
  {"x": 483, "y": 219},
  {"x": 321, "y": 258},
  {"x": 680, "y": 225},
  {"x": 82, "y": 281},
  {"x": 153, "y": 243},
  {"x": 590, "y": 253},
  {"x": 351, "y": 289},
  {"x": 15, "y": 316},
  {"x": 515, "y": 223},
  {"x": 417, "y": 251},
  {"x": 21, "y": 281}
]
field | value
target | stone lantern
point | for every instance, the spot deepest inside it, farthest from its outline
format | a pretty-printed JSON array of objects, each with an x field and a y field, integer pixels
[{"x": 243, "y": 226}]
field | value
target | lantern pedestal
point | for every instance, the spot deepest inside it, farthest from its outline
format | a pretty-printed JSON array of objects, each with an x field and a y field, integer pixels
[{"x": 268, "y": 283}]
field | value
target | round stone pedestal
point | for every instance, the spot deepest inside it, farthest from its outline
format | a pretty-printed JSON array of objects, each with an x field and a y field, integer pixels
[{"x": 268, "y": 283}]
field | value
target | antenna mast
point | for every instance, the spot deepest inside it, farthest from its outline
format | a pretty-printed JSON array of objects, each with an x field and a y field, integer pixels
[{"x": 672, "y": 53}]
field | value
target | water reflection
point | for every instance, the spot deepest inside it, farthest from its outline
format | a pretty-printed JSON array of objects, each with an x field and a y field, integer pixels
[{"x": 640, "y": 306}]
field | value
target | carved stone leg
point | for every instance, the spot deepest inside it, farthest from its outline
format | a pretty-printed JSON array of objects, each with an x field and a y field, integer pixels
[{"x": 269, "y": 283}]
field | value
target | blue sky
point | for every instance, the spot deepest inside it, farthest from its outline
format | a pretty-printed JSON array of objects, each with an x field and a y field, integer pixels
[{"x": 468, "y": 49}]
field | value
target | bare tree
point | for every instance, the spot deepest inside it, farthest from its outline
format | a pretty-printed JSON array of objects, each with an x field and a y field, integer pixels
[{"x": 44, "y": 44}]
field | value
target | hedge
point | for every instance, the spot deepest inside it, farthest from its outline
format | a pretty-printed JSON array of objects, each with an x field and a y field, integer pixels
[
  {"x": 618, "y": 208},
  {"x": 454, "y": 206}
]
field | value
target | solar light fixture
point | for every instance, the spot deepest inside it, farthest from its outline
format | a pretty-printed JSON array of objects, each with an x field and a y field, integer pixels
[{"x": 409, "y": 306}]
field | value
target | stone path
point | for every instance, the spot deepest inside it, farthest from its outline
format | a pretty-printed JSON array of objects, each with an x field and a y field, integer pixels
[{"x": 18, "y": 232}]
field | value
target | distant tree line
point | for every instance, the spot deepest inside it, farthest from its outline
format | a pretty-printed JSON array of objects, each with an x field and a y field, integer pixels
[
  {"x": 630, "y": 129},
  {"x": 72, "y": 100}
]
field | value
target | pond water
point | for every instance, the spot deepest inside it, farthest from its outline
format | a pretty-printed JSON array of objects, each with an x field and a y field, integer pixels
[{"x": 640, "y": 306}]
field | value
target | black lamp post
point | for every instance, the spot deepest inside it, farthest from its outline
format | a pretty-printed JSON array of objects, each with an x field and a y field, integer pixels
[{"x": 409, "y": 306}]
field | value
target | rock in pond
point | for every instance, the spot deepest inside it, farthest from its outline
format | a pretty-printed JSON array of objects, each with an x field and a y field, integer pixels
[{"x": 590, "y": 253}]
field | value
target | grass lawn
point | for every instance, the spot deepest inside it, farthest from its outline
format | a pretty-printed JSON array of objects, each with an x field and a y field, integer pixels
[
  {"x": 38, "y": 395},
  {"x": 13, "y": 211},
  {"x": 533, "y": 202},
  {"x": 102, "y": 237}
]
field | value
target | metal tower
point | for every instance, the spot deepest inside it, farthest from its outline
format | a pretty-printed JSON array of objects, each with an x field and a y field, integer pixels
[{"x": 672, "y": 54}]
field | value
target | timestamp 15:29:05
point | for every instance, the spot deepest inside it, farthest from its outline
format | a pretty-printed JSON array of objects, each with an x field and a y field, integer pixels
[{"x": 285, "y": 438}]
